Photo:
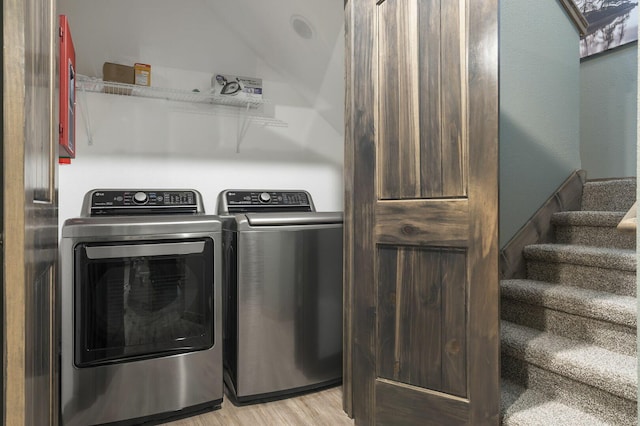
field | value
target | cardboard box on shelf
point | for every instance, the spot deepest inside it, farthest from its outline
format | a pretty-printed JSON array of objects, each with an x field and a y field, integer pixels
[
  {"x": 117, "y": 73},
  {"x": 142, "y": 74}
]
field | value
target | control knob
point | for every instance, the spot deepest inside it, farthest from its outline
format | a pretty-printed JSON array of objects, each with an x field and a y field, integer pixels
[
  {"x": 264, "y": 197},
  {"x": 140, "y": 197}
]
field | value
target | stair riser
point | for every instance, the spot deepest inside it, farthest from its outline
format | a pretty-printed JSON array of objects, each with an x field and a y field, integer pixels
[
  {"x": 609, "y": 195},
  {"x": 595, "y": 236},
  {"x": 610, "y": 336},
  {"x": 610, "y": 280},
  {"x": 599, "y": 403}
]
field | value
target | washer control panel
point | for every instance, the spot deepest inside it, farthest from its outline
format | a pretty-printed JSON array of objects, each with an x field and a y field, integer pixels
[
  {"x": 133, "y": 202},
  {"x": 244, "y": 201}
]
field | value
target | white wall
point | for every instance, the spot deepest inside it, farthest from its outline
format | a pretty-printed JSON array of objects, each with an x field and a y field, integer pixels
[
  {"x": 132, "y": 142},
  {"x": 609, "y": 85},
  {"x": 539, "y": 107}
]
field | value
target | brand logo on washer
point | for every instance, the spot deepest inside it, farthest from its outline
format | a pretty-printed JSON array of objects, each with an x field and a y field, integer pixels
[{"x": 99, "y": 194}]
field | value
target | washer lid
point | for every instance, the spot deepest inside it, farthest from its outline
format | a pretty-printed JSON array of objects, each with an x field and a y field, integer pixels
[
  {"x": 285, "y": 219},
  {"x": 116, "y": 227}
]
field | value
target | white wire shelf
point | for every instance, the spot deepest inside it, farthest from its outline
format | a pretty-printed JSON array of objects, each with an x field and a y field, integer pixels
[
  {"x": 91, "y": 84},
  {"x": 249, "y": 109}
]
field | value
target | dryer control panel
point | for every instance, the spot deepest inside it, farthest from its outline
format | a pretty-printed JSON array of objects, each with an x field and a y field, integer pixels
[
  {"x": 255, "y": 201},
  {"x": 113, "y": 202}
]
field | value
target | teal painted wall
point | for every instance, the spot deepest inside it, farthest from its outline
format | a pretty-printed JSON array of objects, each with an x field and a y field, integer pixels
[
  {"x": 608, "y": 112},
  {"x": 539, "y": 107}
]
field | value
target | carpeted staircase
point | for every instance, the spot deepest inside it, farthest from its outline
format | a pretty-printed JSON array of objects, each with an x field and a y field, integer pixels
[{"x": 568, "y": 331}]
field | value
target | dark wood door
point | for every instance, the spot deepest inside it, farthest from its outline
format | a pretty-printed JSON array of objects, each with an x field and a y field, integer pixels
[
  {"x": 30, "y": 229},
  {"x": 421, "y": 212}
]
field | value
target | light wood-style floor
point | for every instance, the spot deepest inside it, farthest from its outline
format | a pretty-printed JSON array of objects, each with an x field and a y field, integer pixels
[{"x": 313, "y": 409}]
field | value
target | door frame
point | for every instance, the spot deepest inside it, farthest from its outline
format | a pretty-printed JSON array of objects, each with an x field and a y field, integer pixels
[{"x": 29, "y": 211}]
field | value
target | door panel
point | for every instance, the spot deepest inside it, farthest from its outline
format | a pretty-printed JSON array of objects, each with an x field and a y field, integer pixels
[
  {"x": 400, "y": 160},
  {"x": 422, "y": 318},
  {"x": 408, "y": 405},
  {"x": 420, "y": 52},
  {"x": 430, "y": 98},
  {"x": 453, "y": 90},
  {"x": 421, "y": 183}
]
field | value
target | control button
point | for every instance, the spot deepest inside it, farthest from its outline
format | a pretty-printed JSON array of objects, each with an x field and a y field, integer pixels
[
  {"x": 264, "y": 197},
  {"x": 140, "y": 197}
]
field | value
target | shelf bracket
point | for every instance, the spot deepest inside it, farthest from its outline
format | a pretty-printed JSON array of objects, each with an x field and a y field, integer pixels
[
  {"x": 86, "y": 116},
  {"x": 243, "y": 125}
]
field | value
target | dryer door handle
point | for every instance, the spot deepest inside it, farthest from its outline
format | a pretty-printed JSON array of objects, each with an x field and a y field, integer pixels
[{"x": 140, "y": 250}]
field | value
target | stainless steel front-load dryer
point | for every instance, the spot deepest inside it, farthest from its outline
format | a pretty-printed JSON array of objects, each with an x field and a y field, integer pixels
[
  {"x": 283, "y": 294},
  {"x": 140, "y": 308}
]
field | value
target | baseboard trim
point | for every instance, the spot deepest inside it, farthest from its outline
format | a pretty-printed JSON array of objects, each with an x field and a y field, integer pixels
[{"x": 538, "y": 228}]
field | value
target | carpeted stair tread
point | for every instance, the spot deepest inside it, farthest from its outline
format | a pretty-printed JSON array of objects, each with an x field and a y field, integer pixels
[
  {"x": 574, "y": 300},
  {"x": 593, "y": 231},
  {"x": 528, "y": 407},
  {"x": 606, "y": 407},
  {"x": 612, "y": 336},
  {"x": 611, "y": 409},
  {"x": 587, "y": 218},
  {"x": 600, "y": 257},
  {"x": 585, "y": 363},
  {"x": 609, "y": 195}
]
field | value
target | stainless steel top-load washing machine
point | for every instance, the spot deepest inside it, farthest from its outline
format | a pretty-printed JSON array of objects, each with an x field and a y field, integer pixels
[
  {"x": 283, "y": 294},
  {"x": 140, "y": 308}
]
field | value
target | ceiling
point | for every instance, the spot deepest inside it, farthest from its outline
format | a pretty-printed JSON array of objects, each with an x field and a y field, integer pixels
[{"x": 214, "y": 35}]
